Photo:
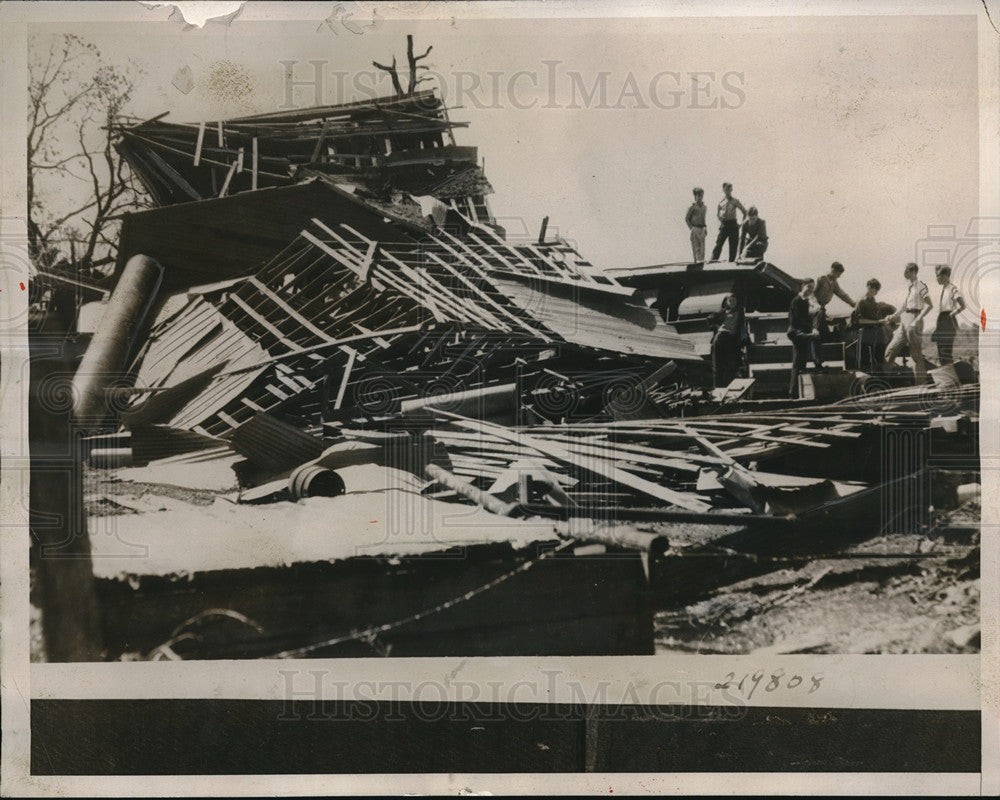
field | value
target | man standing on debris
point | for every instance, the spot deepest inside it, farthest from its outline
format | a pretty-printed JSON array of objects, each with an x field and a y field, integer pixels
[
  {"x": 695, "y": 220},
  {"x": 826, "y": 288},
  {"x": 916, "y": 306},
  {"x": 950, "y": 305},
  {"x": 728, "y": 226},
  {"x": 868, "y": 318},
  {"x": 753, "y": 236},
  {"x": 805, "y": 340},
  {"x": 727, "y": 343}
]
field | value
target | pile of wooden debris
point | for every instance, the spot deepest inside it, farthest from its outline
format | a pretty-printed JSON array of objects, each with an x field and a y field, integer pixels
[{"x": 322, "y": 291}]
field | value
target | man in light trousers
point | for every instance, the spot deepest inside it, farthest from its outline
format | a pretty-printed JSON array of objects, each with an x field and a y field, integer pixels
[
  {"x": 695, "y": 220},
  {"x": 916, "y": 306}
]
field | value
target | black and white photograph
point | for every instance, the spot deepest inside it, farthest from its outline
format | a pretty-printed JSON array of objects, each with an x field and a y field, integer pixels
[{"x": 499, "y": 397}]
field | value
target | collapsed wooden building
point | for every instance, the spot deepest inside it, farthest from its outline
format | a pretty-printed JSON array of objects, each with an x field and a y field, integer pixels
[{"x": 322, "y": 306}]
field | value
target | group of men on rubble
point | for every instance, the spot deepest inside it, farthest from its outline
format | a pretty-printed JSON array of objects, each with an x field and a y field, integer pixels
[
  {"x": 884, "y": 333},
  {"x": 747, "y": 240},
  {"x": 876, "y": 347}
]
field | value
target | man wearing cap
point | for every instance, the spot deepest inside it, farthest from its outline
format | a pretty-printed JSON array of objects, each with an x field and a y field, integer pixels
[
  {"x": 728, "y": 225},
  {"x": 916, "y": 306},
  {"x": 753, "y": 236},
  {"x": 695, "y": 220},
  {"x": 950, "y": 305}
]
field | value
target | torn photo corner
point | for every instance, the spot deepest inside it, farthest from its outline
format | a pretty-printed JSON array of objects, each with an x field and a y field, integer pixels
[{"x": 488, "y": 398}]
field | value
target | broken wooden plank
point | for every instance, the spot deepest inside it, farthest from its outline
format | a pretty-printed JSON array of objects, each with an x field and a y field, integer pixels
[
  {"x": 345, "y": 377},
  {"x": 198, "y": 144},
  {"x": 614, "y": 473},
  {"x": 229, "y": 177}
]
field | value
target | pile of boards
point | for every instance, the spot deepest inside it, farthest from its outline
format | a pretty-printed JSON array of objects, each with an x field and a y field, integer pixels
[{"x": 394, "y": 321}]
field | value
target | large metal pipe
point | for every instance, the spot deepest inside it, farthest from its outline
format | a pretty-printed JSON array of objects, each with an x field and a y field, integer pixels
[{"x": 106, "y": 356}]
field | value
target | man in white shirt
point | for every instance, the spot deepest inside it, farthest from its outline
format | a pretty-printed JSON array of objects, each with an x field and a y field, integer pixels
[
  {"x": 950, "y": 305},
  {"x": 729, "y": 226},
  {"x": 916, "y": 306}
]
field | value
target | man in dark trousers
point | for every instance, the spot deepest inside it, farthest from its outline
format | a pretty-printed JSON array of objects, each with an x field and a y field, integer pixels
[
  {"x": 753, "y": 236},
  {"x": 826, "y": 288},
  {"x": 727, "y": 343},
  {"x": 869, "y": 321},
  {"x": 950, "y": 305},
  {"x": 805, "y": 339},
  {"x": 729, "y": 227}
]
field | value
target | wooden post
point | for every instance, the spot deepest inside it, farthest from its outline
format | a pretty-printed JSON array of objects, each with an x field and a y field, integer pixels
[
  {"x": 253, "y": 175},
  {"x": 64, "y": 580}
]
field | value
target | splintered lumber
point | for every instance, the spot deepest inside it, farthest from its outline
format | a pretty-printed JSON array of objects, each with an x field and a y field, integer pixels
[
  {"x": 672, "y": 459},
  {"x": 527, "y": 473},
  {"x": 737, "y": 479},
  {"x": 596, "y": 465}
]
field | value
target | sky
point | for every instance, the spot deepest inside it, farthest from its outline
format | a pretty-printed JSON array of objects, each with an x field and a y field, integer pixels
[{"x": 852, "y": 135}]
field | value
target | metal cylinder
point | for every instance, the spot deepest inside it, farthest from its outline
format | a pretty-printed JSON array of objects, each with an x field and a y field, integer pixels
[
  {"x": 311, "y": 480},
  {"x": 109, "y": 349},
  {"x": 111, "y": 457}
]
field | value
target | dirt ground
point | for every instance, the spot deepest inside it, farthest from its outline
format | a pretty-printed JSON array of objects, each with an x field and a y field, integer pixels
[
  {"x": 901, "y": 593},
  {"x": 924, "y": 601}
]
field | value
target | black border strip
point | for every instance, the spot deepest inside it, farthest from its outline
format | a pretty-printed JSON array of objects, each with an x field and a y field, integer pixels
[{"x": 203, "y": 737}]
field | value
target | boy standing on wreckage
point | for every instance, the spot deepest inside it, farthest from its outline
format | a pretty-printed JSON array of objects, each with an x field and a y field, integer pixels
[
  {"x": 805, "y": 340},
  {"x": 695, "y": 220},
  {"x": 909, "y": 334},
  {"x": 729, "y": 228}
]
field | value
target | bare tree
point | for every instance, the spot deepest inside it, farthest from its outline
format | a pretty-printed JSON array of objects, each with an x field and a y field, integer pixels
[
  {"x": 412, "y": 60},
  {"x": 392, "y": 74},
  {"x": 77, "y": 182}
]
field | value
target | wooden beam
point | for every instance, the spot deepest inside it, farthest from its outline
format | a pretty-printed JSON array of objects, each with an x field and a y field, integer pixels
[
  {"x": 253, "y": 174},
  {"x": 319, "y": 142},
  {"x": 345, "y": 378},
  {"x": 199, "y": 143},
  {"x": 229, "y": 177}
]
